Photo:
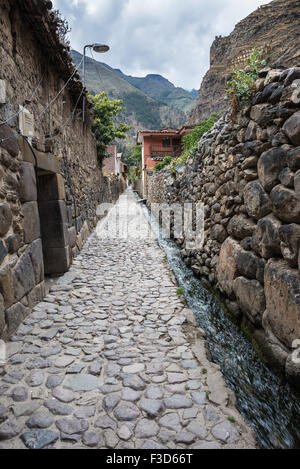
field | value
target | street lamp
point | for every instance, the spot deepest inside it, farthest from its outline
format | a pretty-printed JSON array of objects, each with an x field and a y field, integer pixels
[{"x": 100, "y": 48}]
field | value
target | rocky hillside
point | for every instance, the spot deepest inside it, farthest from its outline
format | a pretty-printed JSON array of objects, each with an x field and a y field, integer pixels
[
  {"x": 142, "y": 111},
  {"x": 273, "y": 28},
  {"x": 161, "y": 89}
]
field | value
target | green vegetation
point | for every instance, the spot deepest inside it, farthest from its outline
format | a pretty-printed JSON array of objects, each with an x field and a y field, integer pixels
[
  {"x": 231, "y": 419},
  {"x": 241, "y": 86},
  {"x": 166, "y": 161},
  {"x": 189, "y": 143},
  {"x": 105, "y": 127},
  {"x": 204, "y": 371},
  {"x": 180, "y": 291}
]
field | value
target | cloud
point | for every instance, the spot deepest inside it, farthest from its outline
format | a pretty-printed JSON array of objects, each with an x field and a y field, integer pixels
[{"x": 168, "y": 37}]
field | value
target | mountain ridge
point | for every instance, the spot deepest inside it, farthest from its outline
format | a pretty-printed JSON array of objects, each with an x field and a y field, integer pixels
[{"x": 142, "y": 110}]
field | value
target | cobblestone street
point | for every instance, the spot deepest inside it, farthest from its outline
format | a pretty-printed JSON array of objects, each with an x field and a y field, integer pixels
[{"x": 109, "y": 359}]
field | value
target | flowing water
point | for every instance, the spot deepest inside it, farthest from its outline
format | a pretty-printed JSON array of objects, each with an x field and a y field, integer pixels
[{"x": 265, "y": 400}]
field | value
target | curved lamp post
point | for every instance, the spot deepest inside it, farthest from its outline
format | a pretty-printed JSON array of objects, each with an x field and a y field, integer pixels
[{"x": 100, "y": 48}]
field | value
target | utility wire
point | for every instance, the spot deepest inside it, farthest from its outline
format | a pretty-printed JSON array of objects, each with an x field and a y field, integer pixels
[
  {"x": 59, "y": 93},
  {"x": 30, "y": 99}
]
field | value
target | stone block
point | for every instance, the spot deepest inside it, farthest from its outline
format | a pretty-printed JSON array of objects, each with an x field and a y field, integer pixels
[
  {"x": 31, "y": 222},
  {"x": 2, "y": 316},
  {"x": 3, "y": 251},
  {"x": 293, "y": 158},
  {"x": 5, "y": 218},
  {"x": 14, "y": 316},
  {"x": 2, "y": 91},
  {"x": 292, "y": 128},
  {"x": 251, "y": 266},
  {"x": 285, "y": 204},
  {"x": 36, "y": 255},
  {"x": 7, "y": 286},
  {"x": 282, "y": 291},
  {"x": 251, "y": 298},
  {"x": 23, "y": 277},
  {"x": 11, "y": 145},
  {"x": 52, "y": 187},
  {"x": 13, "y": 243},
  {"x": 36, "y": 295},
  {"x": 72, "y": 236},
  {"x": 270, "y": 164},
  {"x": 56, "y": 260},
  {"x": 240, "y": 226},
  {"x": 256, "y": 200},
  {"x": 227, "y": 269},
  {"x": 289, "y": 236},
  {"x": 265, "y": 239},
  {"x": 28, "y": 189}
]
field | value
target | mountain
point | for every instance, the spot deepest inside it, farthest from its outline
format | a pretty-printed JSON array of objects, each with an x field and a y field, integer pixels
[
  {"x": 161, "y": 89},
  {"x": 142, "y": 111},
  {"x": 272, "y": 28}
]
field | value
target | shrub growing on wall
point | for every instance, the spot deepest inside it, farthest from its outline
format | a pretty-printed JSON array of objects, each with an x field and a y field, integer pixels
[{"x": 241, "y": 87}]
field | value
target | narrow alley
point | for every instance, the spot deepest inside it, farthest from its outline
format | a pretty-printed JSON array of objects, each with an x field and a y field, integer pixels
[{"x": 104, "y": 361}]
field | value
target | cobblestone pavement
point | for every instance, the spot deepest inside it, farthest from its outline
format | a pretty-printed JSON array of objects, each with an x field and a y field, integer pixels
[{"x": 107, "y": 360}]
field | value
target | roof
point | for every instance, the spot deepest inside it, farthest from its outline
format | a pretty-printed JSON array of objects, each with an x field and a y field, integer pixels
[{"x": 167, "y": 131}]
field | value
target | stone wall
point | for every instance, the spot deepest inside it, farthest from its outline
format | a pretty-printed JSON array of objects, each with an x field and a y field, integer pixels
[
  {"x": 247, "y": 174},
  {"x": 51, "y": 184},
  {"x": 273, "y": 28}
]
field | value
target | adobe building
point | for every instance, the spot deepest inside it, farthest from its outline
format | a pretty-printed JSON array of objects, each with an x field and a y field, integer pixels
[{"x": 50, "y": 179}]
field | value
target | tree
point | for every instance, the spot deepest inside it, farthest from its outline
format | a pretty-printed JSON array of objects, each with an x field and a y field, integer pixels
[
  {"x": 134, "y": 156},
  {"x": 105, "y": 127}
]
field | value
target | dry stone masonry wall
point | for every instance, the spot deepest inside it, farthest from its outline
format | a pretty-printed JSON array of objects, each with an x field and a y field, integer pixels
[
  {"x": 49, "y": 190},
  {"x": 247, "y": 174}
]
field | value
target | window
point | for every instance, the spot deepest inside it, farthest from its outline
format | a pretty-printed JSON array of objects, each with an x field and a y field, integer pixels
[{"x": 166, "y": 142}]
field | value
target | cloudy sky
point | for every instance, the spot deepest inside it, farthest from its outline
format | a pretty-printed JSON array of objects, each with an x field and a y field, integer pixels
[{"x": 168, "y": 37}]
